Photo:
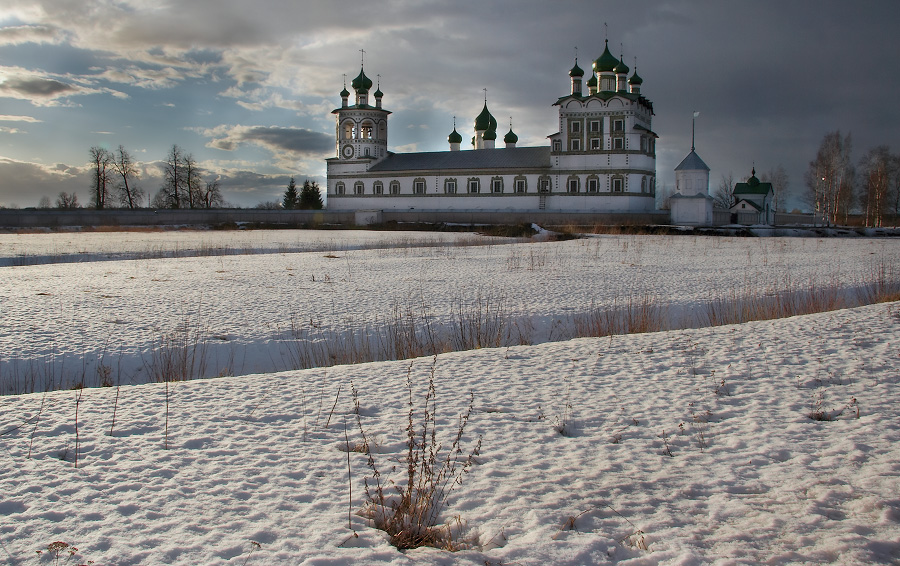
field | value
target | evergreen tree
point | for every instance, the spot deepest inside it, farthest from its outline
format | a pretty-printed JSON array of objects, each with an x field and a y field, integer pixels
[
  {"x": 291, "y": 198},
  {"x": 310, "y": 197}
]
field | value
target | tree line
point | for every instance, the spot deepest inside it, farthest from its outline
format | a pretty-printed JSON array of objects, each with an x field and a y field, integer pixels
[
  {"x": 837, "y": 187},
  {"x": 115, "y": 176}
]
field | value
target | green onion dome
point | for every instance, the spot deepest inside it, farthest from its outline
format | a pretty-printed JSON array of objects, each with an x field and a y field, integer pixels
[
  {"x": 592, "y": 82},
  {"x": 510, "y": 137},
  {"x": 621, "y": 68},
  {"x": 484, "y": 120},
  {"x": 607, "y": 62},
  {"x": 345, "y": 93},
  {"x": 454, "y": 137},
  {"x": 361, "y": 83},
  {"x": 635, "y": 79},
  {"x": 576, "y": 71},
  {"x": 378, "y": 93}
]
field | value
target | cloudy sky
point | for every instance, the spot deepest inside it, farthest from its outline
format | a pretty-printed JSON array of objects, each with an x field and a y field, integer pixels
[{"x": 248, "y": 87}]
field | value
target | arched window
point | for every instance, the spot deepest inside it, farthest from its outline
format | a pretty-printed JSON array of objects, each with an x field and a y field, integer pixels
[
  {"x": 366, "y": 130},
  {"x": 395, "y": 187},
  {"x": 339, "y": 188},
  {"x": 348, "y": 130}
]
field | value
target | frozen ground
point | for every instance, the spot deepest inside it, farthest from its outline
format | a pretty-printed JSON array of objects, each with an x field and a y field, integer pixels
[
  {"x": 113, "y": 321},
  {"x": 685, "y": 447}
]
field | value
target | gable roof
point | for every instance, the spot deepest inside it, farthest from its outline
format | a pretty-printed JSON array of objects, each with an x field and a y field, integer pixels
[
  {"x": 755, "y": 206},
  {"x": 692, "y": 163},
  {"x": 753, "y": 189},
  {"x": 484, "y": 159}
]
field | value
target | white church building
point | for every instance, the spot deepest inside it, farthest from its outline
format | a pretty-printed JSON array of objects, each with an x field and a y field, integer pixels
[{"x": 602, "y": 159}]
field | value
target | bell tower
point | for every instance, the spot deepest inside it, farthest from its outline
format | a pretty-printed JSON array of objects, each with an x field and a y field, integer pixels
[{"x": 362, "y": 129}]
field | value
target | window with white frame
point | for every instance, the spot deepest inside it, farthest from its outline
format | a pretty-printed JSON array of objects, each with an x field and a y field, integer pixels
[
  {"x": 618, "y": 143},
  {"x": 474, "y": 185},
  {"x": 378, "y": 188},
  {"x": 497, "y": 185},
  {"x": 450, "y": 186},
  {"x": 592, "y": 184},
  {"x": 617, "y": 185},
  {"x": 521, "y": 185},
  {"x": 595, "y": 143},
  {"x": 573, "y": 184},
  {"x": 576, "y": 145},
  {"x": 595, "y": 126},
  {"x": 544, "y": 185},
  {"x": 557, "y": 145},
  {"x": 359, "y": 188},
  {"x": 339, "y": 188},
  {"x": 395, "y": 187},
  {"x": 575, "y": 127},
  {"x": 618, "y": 125},
  {"x": 419, "y": 186}
]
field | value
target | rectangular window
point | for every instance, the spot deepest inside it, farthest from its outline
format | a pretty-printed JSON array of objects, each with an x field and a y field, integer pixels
[
  {"x": 595, "y": 143},
  {"x": 595, "y": 125},
  {"x": 617, "y": 185},
  {"x": 395, "y": 188},
  {"x": 619, "y": 125},
  {"x": 573, "y": 185},
  {"x": 451, "y": 186},
  {"x": 473, "y": 186},
  {"x": 592, "y": 185},
  {"x": 420, "y": 187},
  {"x": 520, "y": 185},
  {"x": 576, "y": 145},
  {"x": 557, "y": 145},
  {"x": 497, "y": 185},
  {"x": 619, "y": 143},
  {"x": 576, "y": 127}
]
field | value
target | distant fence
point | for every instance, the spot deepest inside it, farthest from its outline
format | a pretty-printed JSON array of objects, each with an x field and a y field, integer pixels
[
  {"x": 54, "y": 218},
  {"x": 51, "y": 218}
]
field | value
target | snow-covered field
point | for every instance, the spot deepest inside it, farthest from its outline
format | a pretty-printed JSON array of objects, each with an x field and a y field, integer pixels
[{"x": 684, "y": 447}]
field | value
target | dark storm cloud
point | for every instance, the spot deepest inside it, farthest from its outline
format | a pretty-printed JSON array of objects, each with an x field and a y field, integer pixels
[
  {"x": 274, "y": 138},
  {"x": 45, "y": 88}
]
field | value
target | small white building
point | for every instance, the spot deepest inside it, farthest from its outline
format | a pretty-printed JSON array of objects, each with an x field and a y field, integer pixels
[
  {"x": 691, "y": 204},
  {"x": 753, "y": 202},
  {"x": 602, "y": 159}
]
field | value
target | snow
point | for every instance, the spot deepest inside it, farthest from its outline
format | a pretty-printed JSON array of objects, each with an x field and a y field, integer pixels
[{"x": 684, "y": 447}]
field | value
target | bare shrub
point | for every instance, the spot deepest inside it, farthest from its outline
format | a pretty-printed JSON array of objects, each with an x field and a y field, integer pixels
[{"x": 410, "y": 512}]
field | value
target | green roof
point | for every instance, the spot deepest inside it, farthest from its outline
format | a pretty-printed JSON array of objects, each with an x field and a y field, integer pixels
[
  {"x": 483, "y": 121},
  {"x": 576, "y": 71},
  {"x": 345, "y": 93},
  {"x": 607, "y": 62},
  {"x": 510, "y": 137},
  {"x": 635, "y": 79},
  {"x": 361, "y": 83},
  {"x": 593, "y": 80},
  {"x": 621, "y": 68},
  {"x": 454, "y": 137}
]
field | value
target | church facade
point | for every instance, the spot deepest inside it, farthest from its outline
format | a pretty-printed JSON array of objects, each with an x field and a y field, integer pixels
[{"x": 602, "y": 159}]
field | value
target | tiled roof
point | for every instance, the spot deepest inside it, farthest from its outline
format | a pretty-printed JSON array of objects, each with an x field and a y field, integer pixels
[
  {"x": 692, "y": 163},
  {"x": 482, "y": 159}
]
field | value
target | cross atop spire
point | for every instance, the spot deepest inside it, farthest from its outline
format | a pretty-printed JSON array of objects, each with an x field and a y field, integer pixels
[
  {"x": 362, "y": 57},
  {"x": 485, "y": 95}
]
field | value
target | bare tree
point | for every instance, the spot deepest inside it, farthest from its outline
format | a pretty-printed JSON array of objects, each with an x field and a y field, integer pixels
[
  {"x": 191, "y": 175},
  {"x": 830, "y": 177},
  {"x": 875, "y": 167},
  {"x": 67, "y": 201},
  {"x": 101, "y": 160},
  {"x": 44, "y": 202},
  {"x": 894, "y": 195},
  {"x": 724, "y": 195},
  {"x": 130, "y": 194},
  {"x": 170, "y": 195},
  {"x": 211, "y": 196},
  {"x": 779, "y": 178}
]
